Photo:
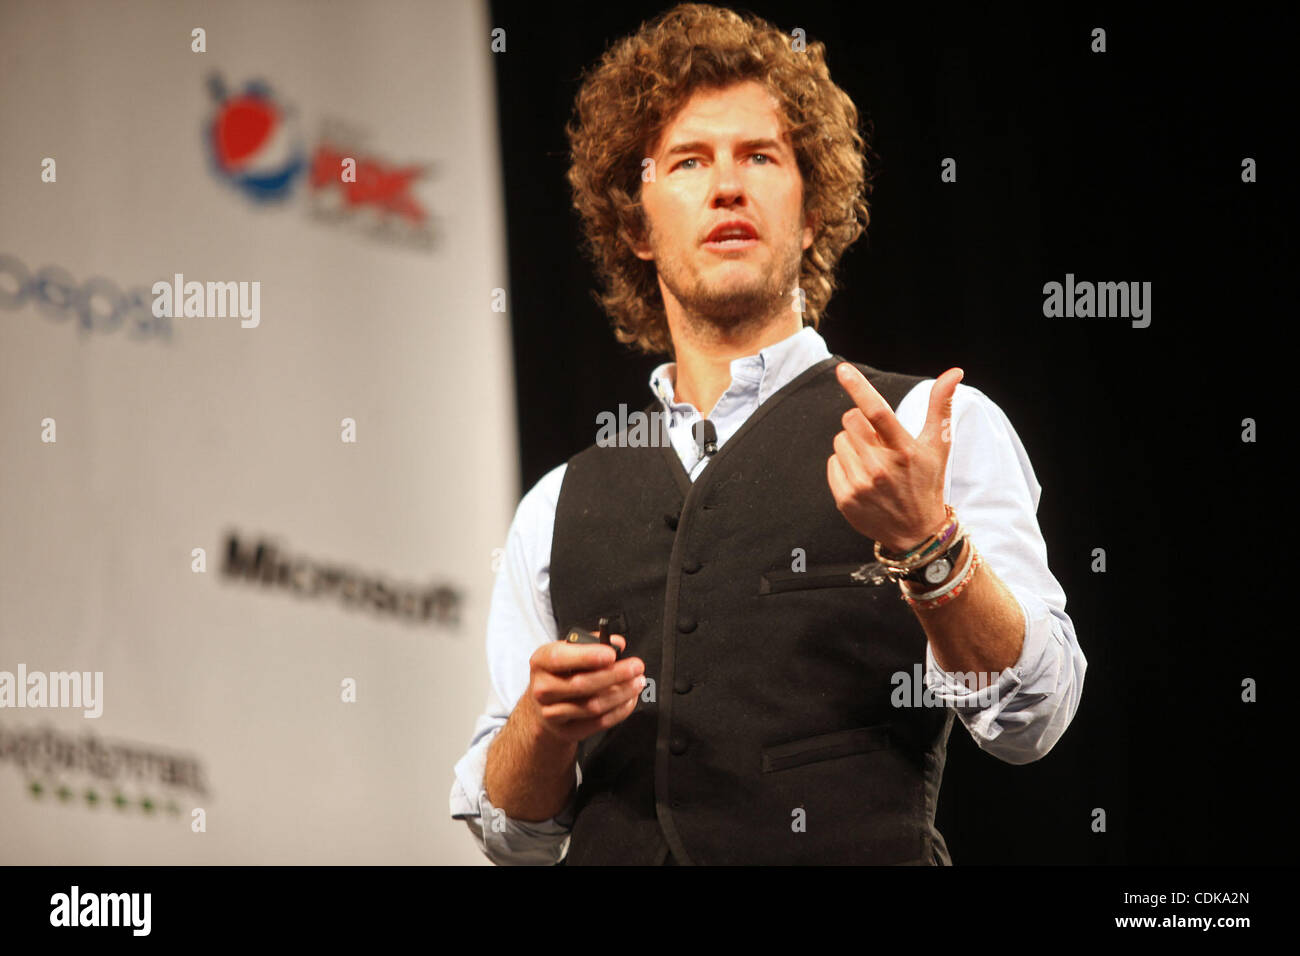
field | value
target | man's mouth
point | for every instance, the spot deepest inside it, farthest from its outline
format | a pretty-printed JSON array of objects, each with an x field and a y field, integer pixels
[{"x": 730, "y": 236}]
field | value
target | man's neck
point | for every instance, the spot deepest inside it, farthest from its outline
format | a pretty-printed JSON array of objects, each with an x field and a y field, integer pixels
[{"x": 704, "y": 356}]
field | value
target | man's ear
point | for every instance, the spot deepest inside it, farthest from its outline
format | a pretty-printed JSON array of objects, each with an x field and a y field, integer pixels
[
  {"x": 639, "y": 246},
  {"x": 810, "y": 223}
]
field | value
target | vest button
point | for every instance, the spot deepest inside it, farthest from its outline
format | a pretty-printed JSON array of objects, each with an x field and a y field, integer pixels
[
  {"x": 682, "y": 685},
  {"x": 677, "y": 745},
  {"x": 670, "y": 519},
  {"x": 690, "y": 567},
  {"x": 686, "y": 624}
]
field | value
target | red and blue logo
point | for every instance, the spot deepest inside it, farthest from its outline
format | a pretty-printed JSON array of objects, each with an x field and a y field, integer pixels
[{"x": 254, "y": 142}]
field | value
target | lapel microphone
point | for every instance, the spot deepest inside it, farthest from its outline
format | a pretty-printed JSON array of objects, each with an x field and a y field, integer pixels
[{"x": 706, "y": 436}]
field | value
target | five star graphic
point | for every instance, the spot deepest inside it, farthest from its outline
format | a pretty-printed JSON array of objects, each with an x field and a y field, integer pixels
[{"x": 93, "y": 798}]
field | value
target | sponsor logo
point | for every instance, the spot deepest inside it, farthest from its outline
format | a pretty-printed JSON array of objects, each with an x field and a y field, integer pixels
[
  {"x": 98, "y": 304},
  {"x": 85, "y": 768},
  {"x": 264, "y": 564},
  {"x": 255, "y": 144}
]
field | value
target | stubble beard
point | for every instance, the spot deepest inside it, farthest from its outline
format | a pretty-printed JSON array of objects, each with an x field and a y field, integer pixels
[{"x": 725, "y": 309}]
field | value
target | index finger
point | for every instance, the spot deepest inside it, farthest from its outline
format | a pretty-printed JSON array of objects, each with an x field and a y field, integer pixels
[{"x": 890, "y": 429}]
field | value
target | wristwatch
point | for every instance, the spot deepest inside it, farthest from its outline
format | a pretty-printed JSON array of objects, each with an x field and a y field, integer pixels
[{"x": 934, "y": 572}]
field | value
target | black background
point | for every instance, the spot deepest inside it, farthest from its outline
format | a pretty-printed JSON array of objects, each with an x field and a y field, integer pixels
[{"x": 1122, "y": 166}]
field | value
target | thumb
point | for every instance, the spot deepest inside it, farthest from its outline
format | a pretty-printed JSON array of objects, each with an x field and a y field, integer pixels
[{"x": 938, "y": 420}]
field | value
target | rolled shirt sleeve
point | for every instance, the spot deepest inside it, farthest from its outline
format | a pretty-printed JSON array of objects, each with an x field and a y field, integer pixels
[
  {"x": 519, "y": 621},
  {"x": 990, "y": 484}
]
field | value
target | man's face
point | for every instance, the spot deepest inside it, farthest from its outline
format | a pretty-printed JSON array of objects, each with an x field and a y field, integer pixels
[{"x": 724, "y": 159}]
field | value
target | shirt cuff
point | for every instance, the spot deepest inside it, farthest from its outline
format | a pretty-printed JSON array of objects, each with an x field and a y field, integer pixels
[
  {"x": 984, "y": 698},
  {"x": 509, "y": 842},
  {"x": 505, "y": 841}
]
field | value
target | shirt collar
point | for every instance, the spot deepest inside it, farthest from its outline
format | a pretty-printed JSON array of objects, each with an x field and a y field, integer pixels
[{"x": 753, "y": 376}]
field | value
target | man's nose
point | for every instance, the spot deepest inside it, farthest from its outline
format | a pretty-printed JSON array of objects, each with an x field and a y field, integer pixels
[{"x": 727, "y": 187}]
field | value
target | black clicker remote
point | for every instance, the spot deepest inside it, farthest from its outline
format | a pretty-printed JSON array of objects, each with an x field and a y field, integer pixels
[
  {"x": 580, "y": 635},
  {"x": 612, "y": 623}
]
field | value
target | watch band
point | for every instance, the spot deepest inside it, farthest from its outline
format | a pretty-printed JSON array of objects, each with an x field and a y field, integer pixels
[{"x": 934, "y": 572}]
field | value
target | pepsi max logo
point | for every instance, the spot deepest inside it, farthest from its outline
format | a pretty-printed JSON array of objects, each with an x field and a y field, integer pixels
[{"x": 254, "y": 143}]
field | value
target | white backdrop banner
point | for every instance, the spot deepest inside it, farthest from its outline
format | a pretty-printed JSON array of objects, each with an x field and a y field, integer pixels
[{"x": 258, "y": 427}]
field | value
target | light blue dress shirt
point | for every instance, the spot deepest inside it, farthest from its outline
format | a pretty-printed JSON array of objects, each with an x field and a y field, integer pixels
[{"x": 991, "y": 486}]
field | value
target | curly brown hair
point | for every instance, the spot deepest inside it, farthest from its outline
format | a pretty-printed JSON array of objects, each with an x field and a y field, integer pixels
[{"x": 628, "y": 99}]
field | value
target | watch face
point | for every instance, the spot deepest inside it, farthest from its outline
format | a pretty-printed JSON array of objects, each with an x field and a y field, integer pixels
[{"x": 938, "y": 570}]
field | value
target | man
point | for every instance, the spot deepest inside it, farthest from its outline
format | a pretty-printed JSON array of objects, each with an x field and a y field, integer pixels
[{"x": 720, "y": 176}]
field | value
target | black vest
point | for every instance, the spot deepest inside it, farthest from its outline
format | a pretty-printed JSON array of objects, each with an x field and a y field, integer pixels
[{"x": 771, "y": 738}]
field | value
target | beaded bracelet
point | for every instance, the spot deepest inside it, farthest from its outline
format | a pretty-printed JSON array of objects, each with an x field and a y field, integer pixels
[
  {"x": 958, "y": 531},
  {"x": 918, "y": 555},
  {"x": 925, "y": 547},
  {"x": 962, "y": 582}
]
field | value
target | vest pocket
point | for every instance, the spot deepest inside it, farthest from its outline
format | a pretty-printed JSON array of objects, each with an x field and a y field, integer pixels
[
  {"x": 823, "y": 576},
  {"x": 842, "y": 743}
]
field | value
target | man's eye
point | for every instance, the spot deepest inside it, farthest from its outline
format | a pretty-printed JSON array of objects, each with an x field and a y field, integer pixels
[
  {"x": 767, "y": 159},
  {"x": 682, "y": 164}
]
